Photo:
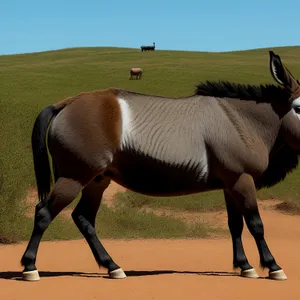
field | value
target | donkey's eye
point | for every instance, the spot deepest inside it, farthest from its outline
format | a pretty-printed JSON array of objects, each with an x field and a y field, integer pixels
[{"x": 297, "y": 109}]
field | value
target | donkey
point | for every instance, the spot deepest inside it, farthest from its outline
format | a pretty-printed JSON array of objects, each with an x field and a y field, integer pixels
[
  {"x": 233, "y": 137},
  {"x": 148, "y": 48},
  {"x": 137, "y": 72}
]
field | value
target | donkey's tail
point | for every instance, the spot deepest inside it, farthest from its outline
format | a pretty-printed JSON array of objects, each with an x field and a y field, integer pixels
[{"x": 39, "y": 148}]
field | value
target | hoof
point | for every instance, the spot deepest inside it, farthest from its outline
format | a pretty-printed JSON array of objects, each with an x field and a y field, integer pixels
[
  {"x": 117, "y": 274},
  {"x": 31, "y": 275},
  {"x": 250, "y": 273},
  {"x": 277, "y": 275}
]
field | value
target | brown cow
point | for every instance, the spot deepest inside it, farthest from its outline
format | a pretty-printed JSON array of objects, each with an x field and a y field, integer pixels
[{"x": 137, "y": 72}]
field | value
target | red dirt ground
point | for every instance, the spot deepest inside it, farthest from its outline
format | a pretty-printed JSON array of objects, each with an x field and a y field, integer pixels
[{"x": 157, "y": 269}]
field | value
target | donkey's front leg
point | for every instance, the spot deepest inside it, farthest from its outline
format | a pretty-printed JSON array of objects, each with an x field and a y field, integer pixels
[
  {"x": 243, "y": 192},
  {"x": 236, "y": 225}
]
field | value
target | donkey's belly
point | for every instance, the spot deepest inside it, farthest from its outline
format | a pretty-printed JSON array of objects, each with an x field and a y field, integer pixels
[{"x": 149, "y": 176}]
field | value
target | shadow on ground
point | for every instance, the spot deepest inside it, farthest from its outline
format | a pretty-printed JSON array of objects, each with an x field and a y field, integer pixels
[{"x": 13, "y": 275}]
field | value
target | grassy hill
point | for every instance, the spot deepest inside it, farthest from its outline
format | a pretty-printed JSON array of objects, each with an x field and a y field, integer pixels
[{"x": 29, "y": 82}]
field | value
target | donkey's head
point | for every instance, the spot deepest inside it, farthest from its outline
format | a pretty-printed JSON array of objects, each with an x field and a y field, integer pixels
[{"x": 290, "y": 107}]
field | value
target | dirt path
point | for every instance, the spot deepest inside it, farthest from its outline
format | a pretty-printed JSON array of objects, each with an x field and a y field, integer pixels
[{"x": 158, "y": 269}]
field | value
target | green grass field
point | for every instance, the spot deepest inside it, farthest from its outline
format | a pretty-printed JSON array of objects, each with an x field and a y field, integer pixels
[
  {"x": 128, "y": 223},
  {"x": 29, "y": 82}
]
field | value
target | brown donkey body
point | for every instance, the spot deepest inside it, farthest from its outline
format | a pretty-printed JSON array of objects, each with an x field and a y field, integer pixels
[{"x": 237, "y": 138}]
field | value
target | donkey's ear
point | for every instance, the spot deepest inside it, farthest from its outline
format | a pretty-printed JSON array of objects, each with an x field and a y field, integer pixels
[
  {"x": 276, "y": 67},
  {"x": 280, "y": 73}
]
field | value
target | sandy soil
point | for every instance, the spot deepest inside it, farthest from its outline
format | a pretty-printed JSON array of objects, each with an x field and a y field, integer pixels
[{"x": 158, "y": 269}]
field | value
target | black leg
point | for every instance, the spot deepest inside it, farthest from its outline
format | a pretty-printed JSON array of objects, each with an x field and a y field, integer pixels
[
  {"x": 84, "y": 217},
  {"x": 243, "y": 192},
  {"x": 63, "y": 193},
  {"x": 256, "y": 228},
  {"x": 236, "y": 225}
]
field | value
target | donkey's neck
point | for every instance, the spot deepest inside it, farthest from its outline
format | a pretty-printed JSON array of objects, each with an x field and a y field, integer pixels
[
  {"x": 290, "y": 130},
  {"x": 258, "y": 119}
]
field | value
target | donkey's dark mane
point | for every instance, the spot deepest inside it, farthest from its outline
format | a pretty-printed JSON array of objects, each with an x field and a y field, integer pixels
[{"x": 225, "y": 89}]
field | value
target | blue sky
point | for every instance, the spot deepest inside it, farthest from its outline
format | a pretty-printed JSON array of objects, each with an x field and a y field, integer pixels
[{"x": 211, "y": 25}]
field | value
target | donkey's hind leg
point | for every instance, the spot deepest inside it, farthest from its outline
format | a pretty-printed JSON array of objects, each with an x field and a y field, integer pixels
[
  {"x": 243, "y": 192},
  {"x": 84, "y": 217},
  {"x": 236, "y": 225},
  {"x": 64, "y": 192}
]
